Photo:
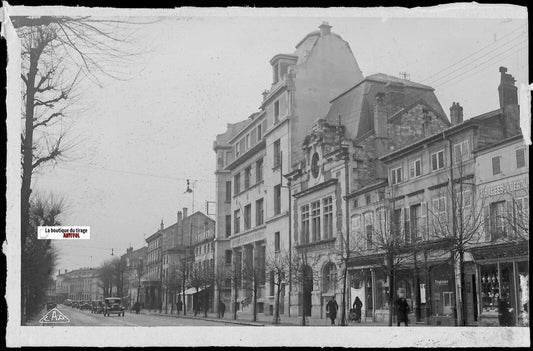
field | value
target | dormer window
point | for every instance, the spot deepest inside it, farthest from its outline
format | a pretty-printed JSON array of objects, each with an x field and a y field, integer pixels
[{"x": 280, "y": 66}]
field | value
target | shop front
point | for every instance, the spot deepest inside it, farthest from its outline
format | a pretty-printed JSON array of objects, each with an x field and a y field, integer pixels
[{"x": 503, "y": 278}]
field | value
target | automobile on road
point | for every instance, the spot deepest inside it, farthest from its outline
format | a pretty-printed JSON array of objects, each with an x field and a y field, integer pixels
[
  {"x": 85, "y": 305},
  {"x": 97, "y": 306},
  {"x": 113, "y": 305}
]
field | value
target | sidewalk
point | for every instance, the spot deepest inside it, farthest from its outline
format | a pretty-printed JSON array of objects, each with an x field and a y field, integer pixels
[{"x": 262, "y": 320}]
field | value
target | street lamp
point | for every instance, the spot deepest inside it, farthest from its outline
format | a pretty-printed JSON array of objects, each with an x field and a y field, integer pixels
[{"x": 191, "y": 191}]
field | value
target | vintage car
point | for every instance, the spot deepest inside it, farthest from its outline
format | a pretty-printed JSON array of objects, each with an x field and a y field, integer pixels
[
  {"x": 75, "y": 304},
  {"x": 50, "y": 305},
  {"x": 85, "y": 305},
  {"x": 113, "y": 305},
  {"x": 97, "y": 306},
  {"x": 67, "y": 302}
]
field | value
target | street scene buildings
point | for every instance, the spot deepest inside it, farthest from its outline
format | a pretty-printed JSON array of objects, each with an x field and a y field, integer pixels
[{"x": 344, "y": 187}]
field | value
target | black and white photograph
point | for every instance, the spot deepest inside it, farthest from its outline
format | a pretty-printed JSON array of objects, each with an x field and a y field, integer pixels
[{"x": 231, "y": 176}]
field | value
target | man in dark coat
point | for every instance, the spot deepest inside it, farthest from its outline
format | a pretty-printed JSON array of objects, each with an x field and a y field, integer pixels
[
  {"x": 331, "y": 309},
  {"x": 137, "y": 307},
  {"x": 357, "y": 305},
  {"x": 403, "y": 310},
  {"x": 179, "y": 306},
  {"x": 222, "y": 307},
  {"x": 505, "y": 317}
]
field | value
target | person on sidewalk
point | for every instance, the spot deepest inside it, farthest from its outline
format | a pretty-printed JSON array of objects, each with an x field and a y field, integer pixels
[
  {"x": 403, "y": 310},
  {"x": 357, "y": 305},
  {"x": 222, "y": 307},
  {"x": 179, "y": 306},
  {"x": 137, "y": 307},
  {"x": 331, "y": 309}
]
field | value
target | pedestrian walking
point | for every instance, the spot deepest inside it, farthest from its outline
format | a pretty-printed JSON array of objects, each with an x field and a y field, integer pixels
[
  {"x": 179, "y": 306},
  {"x": 137, "y": 307},
  {"x": 402, "y": 308},
  {"x": 222, "y": 308},
  {"x": 331, "y": 309},
  {"x": 357, "y": 305}
]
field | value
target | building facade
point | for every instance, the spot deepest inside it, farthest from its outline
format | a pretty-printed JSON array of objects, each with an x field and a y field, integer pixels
[
  {"x": 252, "y": 157},
  {"x": 152, "y": 285},
  {"x": 502, "y": 255},
  {"x": 429, "y": 214},
  {"x": 80, "y": 284}
]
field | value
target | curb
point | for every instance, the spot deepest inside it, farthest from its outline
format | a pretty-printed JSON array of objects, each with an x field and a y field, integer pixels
[{"x": 231, "y": 321}]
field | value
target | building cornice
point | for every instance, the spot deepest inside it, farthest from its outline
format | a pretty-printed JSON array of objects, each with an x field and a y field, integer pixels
[
  {"x": 247, "y": 155},
  {"x": 317, "y": 187}
]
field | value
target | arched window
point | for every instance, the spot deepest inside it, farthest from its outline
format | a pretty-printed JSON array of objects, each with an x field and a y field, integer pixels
[{"x": 330, "y": 277}]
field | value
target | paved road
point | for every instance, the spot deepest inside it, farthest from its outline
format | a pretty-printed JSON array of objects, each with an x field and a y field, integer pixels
[{"x": 86, "y": 318}]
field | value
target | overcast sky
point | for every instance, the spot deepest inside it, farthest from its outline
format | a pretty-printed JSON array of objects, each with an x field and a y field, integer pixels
[{"x": 144, "y": 136}]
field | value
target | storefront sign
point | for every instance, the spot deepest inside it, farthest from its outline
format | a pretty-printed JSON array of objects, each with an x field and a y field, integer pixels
[
  {"x": 506, "y": 187},
  {"x": 441, "y": 282}
]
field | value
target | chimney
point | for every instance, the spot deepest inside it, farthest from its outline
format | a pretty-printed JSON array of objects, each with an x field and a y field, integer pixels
[
  {"x": 510, "y": 118},
  {"x": 507, "y": 90},
  {"x": 325, "y": 29},
  {"x": 184, "y": 212},
  {"x": 394, "y": 96},
  {"x": 426, "y": 130},
  {"x": 380, "y": 116},
  {"x": 162, "y": 226},
  {"x": 180, "y": 216},
  {"x": 65, "y": 271},
  {"x": 456, "y": 113},
  {"x": 380, "y": 130}
]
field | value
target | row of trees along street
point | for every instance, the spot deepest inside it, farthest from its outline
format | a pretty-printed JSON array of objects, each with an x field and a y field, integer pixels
[{"x": 59, "y": 54}]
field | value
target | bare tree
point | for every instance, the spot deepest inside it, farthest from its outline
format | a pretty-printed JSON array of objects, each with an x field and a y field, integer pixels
[
  {"x": 119, "y": 267},
  {"x": 253, "y": 274},
  {"x": 40, "y": 256},
  {"x": 106, "y": 278},
  {"x": 234, "y": 272},
  {"x": 303, "y": 271},
  {"x": 517, "y": 215},
  {"x": 171, "y": 284},
  {"x": 221, "y": 274},
  {"x": 461, "y": 225},
  {"x": 384, "y": 235},
  {"x": 199, "y": 279},
  {"x": 346, "y": 248},
  {"x": 138, "y": 271},
  {"x": 56, "y": 53},
  {"x": 278, "y": 265}
]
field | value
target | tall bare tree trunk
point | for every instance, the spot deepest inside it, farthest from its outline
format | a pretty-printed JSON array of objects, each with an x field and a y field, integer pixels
[
  {"x": 343, "y": 313},
  {"x": 391, "y": 288},
  {"x": 276, "y": 311}
]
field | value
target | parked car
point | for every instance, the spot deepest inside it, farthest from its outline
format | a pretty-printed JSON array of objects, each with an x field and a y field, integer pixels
[
  {"x": 67, "y": 302},
  {"x": 74, "y": 304},
  {"x": 113, "y": 305},
  {"x": 50, "y": 305},
  {"x": 97, "y": 306},
  {"x": 85, "y": 305}
]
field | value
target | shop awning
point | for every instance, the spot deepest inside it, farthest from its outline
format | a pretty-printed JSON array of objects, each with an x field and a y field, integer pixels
[{"x": 191, "y": 291}]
